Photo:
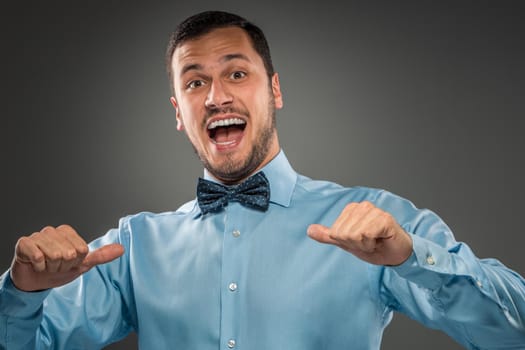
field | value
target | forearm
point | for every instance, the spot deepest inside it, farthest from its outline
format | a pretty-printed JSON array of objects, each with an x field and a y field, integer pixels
[
  {"x": 481, "y": 302},
  {"x": 20, "y": 315}
]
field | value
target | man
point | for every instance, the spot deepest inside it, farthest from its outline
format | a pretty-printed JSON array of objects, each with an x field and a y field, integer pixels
[{"x": 242, "y": 265}]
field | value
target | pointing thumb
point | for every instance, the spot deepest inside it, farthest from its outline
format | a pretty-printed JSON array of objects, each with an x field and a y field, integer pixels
[
  {"x": 103, "y": 255},
  {"x": 320, "y": 233}
]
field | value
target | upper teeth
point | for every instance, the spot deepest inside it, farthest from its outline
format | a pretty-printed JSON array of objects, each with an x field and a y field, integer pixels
[{"x": 226, "y": 122}]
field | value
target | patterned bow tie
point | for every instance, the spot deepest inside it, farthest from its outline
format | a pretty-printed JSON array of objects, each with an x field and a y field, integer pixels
[{"x": 253, "y": 193}]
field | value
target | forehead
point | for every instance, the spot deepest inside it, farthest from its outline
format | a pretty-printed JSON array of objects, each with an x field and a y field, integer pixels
[{"x": 212, "y": 47}]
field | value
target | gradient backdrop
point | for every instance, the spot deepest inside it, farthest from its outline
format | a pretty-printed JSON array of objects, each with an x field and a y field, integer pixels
[{"x": 423, "y": 98}]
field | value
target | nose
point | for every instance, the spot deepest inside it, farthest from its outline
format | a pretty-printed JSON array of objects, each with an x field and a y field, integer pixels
[{"x": 218, "y": 95}]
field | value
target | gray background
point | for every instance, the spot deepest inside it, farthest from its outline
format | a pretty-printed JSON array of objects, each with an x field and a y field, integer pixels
[{"x": 423, "y": 98}]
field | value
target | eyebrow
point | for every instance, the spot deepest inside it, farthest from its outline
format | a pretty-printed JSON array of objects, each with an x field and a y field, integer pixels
[
  {"x": 225, "y": 58},
  {"x": 188, "y": 67},
  {"x": 234, "y": 56}
]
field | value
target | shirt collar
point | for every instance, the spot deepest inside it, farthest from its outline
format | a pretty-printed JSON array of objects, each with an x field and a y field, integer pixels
[{"x": 281, "y": 176}]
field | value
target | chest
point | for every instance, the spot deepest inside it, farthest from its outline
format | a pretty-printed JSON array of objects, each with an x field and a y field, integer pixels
[{"x": 252, "y": 277}]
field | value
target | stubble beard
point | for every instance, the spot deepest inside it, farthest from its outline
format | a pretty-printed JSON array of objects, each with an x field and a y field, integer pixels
[{"x": 233, "y": 171}]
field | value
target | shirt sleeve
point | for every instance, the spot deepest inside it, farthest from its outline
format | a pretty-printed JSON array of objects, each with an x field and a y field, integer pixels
[
  {"x": 478, "y": 302},
  {"x": 20, "y": 315},
  {"x": 87, "y": 313}
]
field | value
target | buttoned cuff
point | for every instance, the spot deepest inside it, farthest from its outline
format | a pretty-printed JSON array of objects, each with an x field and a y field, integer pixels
[
  {"x": 428, "y": 266},
  {"x": 17, "y": 303}
]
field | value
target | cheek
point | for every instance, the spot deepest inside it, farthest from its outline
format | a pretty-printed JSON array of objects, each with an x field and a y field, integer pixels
[
  {"x": 193, "y": 130},
  {"x": 189, "y": 118}
]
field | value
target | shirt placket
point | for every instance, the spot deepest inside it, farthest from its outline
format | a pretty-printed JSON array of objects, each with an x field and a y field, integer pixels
[{"x": 231, "y": 283}]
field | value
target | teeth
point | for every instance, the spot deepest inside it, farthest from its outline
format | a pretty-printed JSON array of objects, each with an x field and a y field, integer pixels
[{"x": 226, "y": 122}]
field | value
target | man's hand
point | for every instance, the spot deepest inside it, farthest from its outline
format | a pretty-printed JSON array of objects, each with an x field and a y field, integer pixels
[
  {"x": 369, "y": 233},
  {"x": 55, "y": 256}
]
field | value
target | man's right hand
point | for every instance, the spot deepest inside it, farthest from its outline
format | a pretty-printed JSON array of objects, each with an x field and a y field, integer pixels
[{"x": 56, "y": 256}]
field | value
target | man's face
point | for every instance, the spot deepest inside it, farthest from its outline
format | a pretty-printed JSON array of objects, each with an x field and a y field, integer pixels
[{"x": 225, "y": 103}]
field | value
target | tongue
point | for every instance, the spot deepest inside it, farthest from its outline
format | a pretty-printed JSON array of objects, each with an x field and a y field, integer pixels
[{"x": 227, "y": 134}]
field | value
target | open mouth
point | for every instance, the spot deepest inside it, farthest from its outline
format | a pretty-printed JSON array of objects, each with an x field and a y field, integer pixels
[{"x": 226, "y": 131}]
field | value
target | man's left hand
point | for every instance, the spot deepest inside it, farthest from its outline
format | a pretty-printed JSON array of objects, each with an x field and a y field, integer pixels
[{"x": 368, "y": 232}]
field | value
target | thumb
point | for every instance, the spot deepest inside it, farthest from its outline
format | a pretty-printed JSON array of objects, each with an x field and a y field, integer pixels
[
  {"x": 320, "y": 233},
  {"x": 103, "y": 255}
]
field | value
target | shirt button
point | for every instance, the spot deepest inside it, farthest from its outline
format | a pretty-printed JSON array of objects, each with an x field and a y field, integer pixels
[
  {"x": 232, "y": 287},
  {"x": 430, "y": 260},
  {"x": 231, "y": 343},
  {"x": 480, "y": 285},
  {"x": 236, "y": 233}
]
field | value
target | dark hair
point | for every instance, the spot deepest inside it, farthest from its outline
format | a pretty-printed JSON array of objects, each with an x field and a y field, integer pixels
[{"x": 204, "y": 22}]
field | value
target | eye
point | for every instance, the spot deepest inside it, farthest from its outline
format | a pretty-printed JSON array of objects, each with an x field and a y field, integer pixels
[
  {"x": 194, "y": 84},
  {"x": 237, "y": 75}
]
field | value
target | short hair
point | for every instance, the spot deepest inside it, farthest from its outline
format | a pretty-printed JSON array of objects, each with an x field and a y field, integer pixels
[{"x": 203, "y": 23}]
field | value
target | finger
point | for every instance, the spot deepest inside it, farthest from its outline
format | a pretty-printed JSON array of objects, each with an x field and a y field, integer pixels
[
  {"x": 78, "y": 249},
  {"x": 320, "y": 233},
  {"x": 356, "y": 209},
  {"x": 381, "y": 224},
  {"x": 103, "y": 255},
  {"x": 367, "y": 244},
  {"x": 27, "y": 252},
  {"x": 55, "y": 247},
  {"x": 368, "y": 230},
  {"x": 74, "y": 238},
  {"x": 365, "y": 222},
  {"x": 349, "y": 220}
]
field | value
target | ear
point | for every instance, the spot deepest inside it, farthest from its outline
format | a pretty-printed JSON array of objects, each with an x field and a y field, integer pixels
[
  {"x": 180, "y": 124},
  {"x": 276, "y": 90}
]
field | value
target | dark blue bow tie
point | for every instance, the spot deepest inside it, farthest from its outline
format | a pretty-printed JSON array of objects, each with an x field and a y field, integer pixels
[{"x": 252, "y": 193}]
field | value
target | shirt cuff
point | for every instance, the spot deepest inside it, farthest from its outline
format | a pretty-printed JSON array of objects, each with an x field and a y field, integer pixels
[
  {"x": 17, "y": 303},
  {"x": 427, "y": 266}
]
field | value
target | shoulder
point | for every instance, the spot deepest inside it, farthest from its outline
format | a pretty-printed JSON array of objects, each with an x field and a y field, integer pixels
[
  {"x": 329, "y": 194},
  {"x": 318, "y": 189}
]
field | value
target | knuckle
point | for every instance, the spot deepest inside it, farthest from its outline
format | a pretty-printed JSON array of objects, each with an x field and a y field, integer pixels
[
  {"x": 39, "y": 267},
  {"x": 385, "y": 218},
  {"x": 48, "y": 229},
  {"x": 349, "y": 205},
  {"x": 65, "y": 228},
  {"x": 70, "y": 255},
  {"x": 23, "y": 241},
  {"x": 24, "y": 249},
  {"x": 358, "y": 237},
  {"x": 54, "y": 256},
  {"x": 83, "y": 249},
  {"x": 367, "y": 205},
  {"x": 23, "y": 244},
  {"x": 347, "y": 211},
  {"x": 37, "y": 257},
  {"x": 34, "y": 235}
]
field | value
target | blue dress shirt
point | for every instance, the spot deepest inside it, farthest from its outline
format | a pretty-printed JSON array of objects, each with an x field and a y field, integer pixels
[{"x": 251, "y": 280}]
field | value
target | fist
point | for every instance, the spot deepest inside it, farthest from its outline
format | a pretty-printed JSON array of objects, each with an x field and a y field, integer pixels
[
  {"x": 55, "y": 256},
  {"x": 368, "y": 232}
]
